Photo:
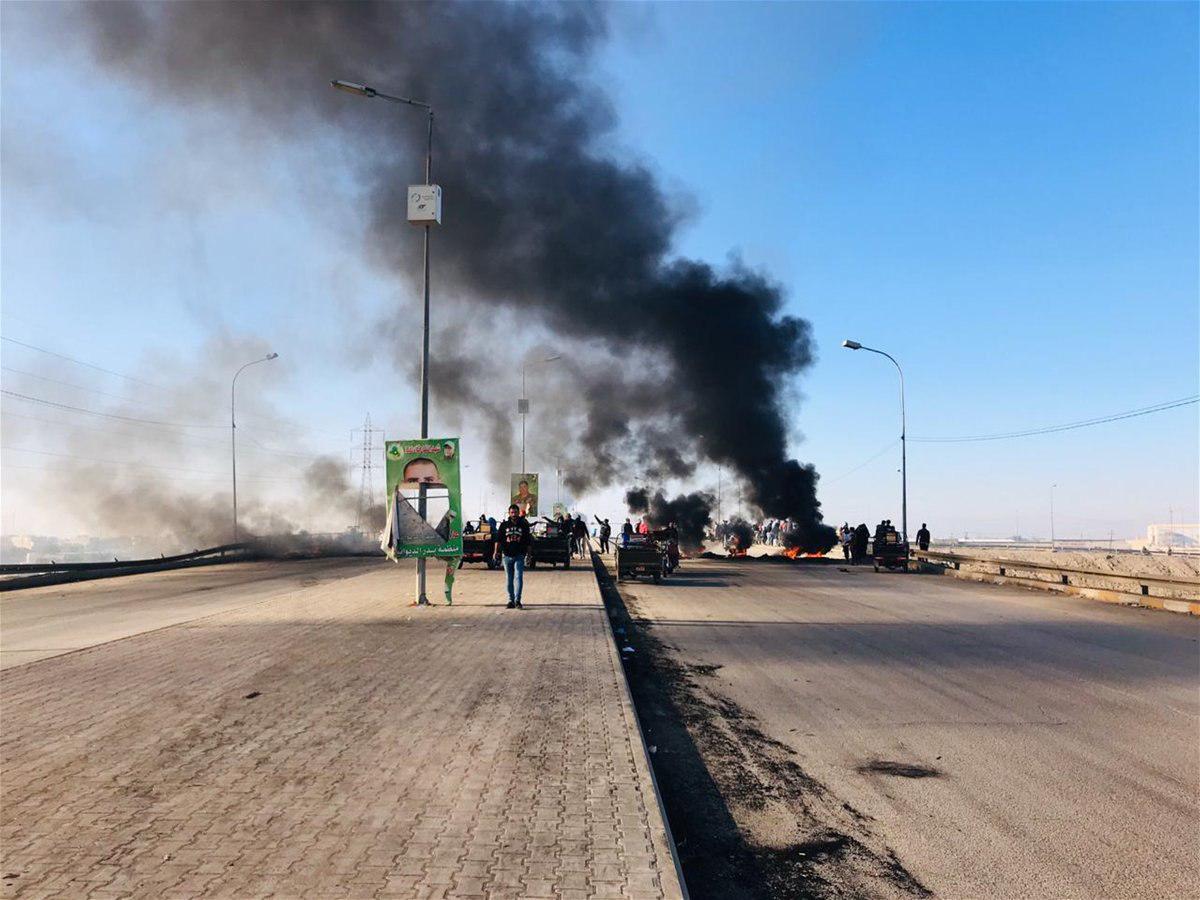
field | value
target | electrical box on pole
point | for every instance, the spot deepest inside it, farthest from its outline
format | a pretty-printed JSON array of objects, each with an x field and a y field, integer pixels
[{"x": 425, "y": 204}]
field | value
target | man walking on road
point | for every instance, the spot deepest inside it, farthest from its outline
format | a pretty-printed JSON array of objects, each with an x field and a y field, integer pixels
[
  {"x": 511, "y": 547},
  {"x": 923, "y": 537},
  {"x": 579, "y": 534}
]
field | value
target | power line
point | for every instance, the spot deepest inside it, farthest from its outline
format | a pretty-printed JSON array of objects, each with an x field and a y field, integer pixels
[
  {"x": 862, "y": 464},
  {"x": 1050, "y": 429},
  {"x": 282, "y": 425},
  {"x": 122, "y": 462},
  {"x": 141, "y": 436},
  {"x": 79, "y": 362},
  {"x": 92, "y": 412},
  {"x": 152, "y": 422},
  {"x": 77, "y": 387}
]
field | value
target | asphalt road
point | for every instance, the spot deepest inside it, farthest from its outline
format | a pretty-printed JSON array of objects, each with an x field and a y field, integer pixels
[
  {"x": 48, "y": 621},
  {"x": 1055, "y": 741}
]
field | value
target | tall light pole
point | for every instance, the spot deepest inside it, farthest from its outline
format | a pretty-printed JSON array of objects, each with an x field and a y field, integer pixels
[
  {"x": 523, "y": 404},
  {"x": 1052, "y": 544},
  {"x": 719, "y": 474},
  {"x": 427, "y": 221},
  {"x": 855, "y": 345},
  {"x": 233, "y": 430}
]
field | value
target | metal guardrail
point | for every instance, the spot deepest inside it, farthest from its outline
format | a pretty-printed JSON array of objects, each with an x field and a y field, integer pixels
[
  {"x": 1064, "y": 573},
  {"x": 29, "y": 568}
]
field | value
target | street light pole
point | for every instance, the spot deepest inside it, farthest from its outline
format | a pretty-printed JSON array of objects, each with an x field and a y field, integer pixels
[
  {"x": 523, "y": 405},
  {"x": 363, "y": 90},
  {"x": 1052, "y": 544},
  {"x": 233, "y": 431},
  {"x": 855, "y": 345}
]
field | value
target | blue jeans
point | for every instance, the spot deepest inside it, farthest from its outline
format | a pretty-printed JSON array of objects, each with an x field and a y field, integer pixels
[{"x": 514, "y": 571}]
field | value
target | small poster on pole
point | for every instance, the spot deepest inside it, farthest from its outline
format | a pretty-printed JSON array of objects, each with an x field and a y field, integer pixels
[{"x": 424, "y": 509}]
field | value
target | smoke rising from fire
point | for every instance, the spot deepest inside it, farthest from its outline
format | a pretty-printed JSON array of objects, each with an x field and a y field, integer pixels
[
  {"x": 691, "y": 513},
  {"x": 543, "y": 220}
]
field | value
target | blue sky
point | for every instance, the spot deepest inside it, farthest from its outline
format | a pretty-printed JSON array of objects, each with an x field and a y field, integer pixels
[{"x": 1002, "y": 196}]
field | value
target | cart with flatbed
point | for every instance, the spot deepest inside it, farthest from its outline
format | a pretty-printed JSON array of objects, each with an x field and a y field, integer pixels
[
  {"x": 889, "y": 551},
  {"x": 551, "y": 546},
  {"x": 639, "y": 556},
  {"x": 480, "y": 547}
]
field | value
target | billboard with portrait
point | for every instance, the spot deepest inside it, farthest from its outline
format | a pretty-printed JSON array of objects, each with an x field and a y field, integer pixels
[
  {"x": 424, "y": 509},
  {"x": 523, "y": 491}
]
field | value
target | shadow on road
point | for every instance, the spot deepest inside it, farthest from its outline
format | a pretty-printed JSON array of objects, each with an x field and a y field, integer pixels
[
  {"x": 715, "y": 859},
  {"x": 707, "y": 754}
]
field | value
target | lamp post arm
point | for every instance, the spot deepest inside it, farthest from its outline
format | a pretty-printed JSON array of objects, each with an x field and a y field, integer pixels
[
  {"x": 901, "y": 371},
  {"x": 903, "y": 447}
]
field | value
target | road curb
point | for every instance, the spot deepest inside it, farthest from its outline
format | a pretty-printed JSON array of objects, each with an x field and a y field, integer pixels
[{"x": 642, "y": 760}]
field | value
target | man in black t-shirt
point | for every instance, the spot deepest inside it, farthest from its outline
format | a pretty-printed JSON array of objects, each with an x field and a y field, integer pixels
[{"x": 512, "y": 543}]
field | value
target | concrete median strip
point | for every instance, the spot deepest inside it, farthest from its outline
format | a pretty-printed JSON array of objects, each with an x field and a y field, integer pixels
[{"x": 387, "y": 751}]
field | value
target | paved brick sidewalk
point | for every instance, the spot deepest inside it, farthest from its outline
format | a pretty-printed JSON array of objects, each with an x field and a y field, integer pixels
[{"x": 390, "y": 751}]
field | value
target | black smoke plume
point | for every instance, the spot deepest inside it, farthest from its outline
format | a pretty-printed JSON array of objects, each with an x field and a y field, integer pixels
[
  {"x": 691, "y": 513},
  {"x": 544, "y": 217}
]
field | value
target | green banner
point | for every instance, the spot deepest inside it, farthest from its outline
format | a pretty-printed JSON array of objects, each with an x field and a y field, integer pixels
[
  {"x": 424, "y": 511},
  {"x": 523, "y": 491}
]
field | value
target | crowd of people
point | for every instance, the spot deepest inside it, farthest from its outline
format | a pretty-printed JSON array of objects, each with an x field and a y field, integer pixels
[
  {"x": 771, "y": 531},
  {"x": 514, "y": 537},
  {"x": 854, "y": 541}
]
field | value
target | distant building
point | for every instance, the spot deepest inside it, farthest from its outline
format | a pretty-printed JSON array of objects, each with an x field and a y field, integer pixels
[{"x": 1177, "y": 537}]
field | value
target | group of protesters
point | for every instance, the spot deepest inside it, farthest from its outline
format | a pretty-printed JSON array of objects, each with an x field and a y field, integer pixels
[
  {"x": 854, "y": 541},
  {"x": 576, "y": 530},
  {"x": 772, "y": 531}
]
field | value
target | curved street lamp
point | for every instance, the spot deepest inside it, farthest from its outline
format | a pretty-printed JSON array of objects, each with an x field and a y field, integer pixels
[
  {"x": 233, "y": 430},
  {"x": 362, "y": 90},
  {"x": 855, "y": 345}
]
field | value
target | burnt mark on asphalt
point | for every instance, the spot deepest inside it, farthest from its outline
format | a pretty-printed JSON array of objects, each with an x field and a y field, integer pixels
[
  {"x": 747, "y": 820},
  {"x": 898, "y": 769}
]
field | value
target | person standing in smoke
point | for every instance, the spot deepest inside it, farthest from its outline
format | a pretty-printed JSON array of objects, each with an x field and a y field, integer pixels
[
  {"x": 626, "y": 532},
  {"x": 514, "y": 541}
]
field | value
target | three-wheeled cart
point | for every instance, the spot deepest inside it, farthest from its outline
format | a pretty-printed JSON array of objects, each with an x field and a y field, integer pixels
[
  {"x": 551, "y": 545},
  {"x": 668, "y": 541},
  {"x": 480, "y": 547},
  {"x": 889, "y": 552},
  {"x": 641, "y": 556}
]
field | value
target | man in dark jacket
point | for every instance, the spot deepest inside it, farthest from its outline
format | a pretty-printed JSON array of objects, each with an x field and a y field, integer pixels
[
  {"x": 513, "y": 542},
  {"x": 605, "y": 533},
  {"x": 923, "y": 537},
  {"x": 579, "y": 533}
]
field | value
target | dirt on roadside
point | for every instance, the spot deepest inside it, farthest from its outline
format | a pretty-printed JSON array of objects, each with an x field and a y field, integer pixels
[{"x": 747, "y": 820}]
